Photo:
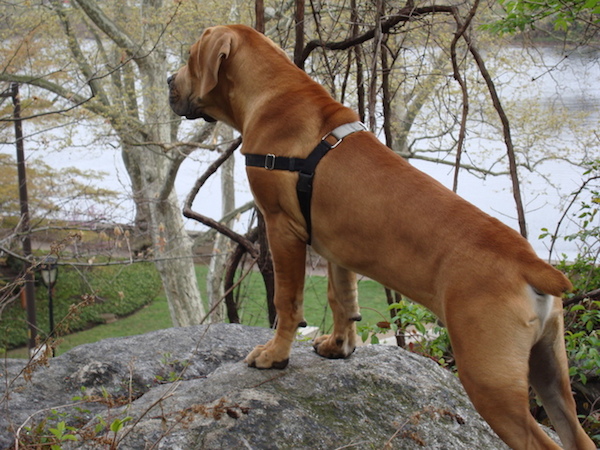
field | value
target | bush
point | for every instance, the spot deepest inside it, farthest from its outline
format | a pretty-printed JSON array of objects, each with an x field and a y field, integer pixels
[{"x": 118, "y": 289}]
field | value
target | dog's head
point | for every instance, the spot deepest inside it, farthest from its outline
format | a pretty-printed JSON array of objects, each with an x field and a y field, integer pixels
[{"x": 191, "y": 88}]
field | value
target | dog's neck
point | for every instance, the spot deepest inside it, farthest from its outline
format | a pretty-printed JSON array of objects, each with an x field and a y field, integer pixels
[{"x": 266, "y": 103}]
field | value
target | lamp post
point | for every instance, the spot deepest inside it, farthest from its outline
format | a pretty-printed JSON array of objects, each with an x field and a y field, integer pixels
[
  {"x": 49, "y": 272},
  {"x": 29, "y": 289}
]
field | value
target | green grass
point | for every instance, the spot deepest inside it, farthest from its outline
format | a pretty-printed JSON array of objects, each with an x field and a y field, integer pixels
[
  {"x": 316, "y": 310},
  {"x": 155, "y": 316}
]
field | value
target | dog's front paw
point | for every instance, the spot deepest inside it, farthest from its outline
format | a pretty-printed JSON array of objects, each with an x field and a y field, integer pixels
[
  {"x": 331, "y": 347},
  {"x": 267, "y": 356}
]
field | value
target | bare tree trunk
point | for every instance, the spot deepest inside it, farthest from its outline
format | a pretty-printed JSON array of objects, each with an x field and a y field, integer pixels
[
  {"x": 171, "y": 245},
  {"x": 360, "y": 81},
  {"x": 299, "y": 45},
  {"x": 259, "y": 10},
  {"x": 152, "y": 172},
  {"x": 387, "y": 95},
  {"x": 377, "y": 41},
  {"x": 222, "y": 245}
]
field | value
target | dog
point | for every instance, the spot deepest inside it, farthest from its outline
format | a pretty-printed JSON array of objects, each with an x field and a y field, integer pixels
[{"x": 371, "y": 212}]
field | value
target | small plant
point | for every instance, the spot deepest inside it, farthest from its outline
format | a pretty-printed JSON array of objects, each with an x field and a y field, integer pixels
[
  {"x": 62, "y": 433},
  {"x": 172, "y": 369},
  {"x": 50, "y": 432},
  {"x": 58, "y": 428},
  {"x": 583, "y": 340},
  {"x": 417, "y": 328}
]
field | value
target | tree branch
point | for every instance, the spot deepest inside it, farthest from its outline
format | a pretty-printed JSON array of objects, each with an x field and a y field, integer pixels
[
  {"x": 575, "y": 196},
  {"x": 190, "y": 214},
  {"x": 184, "y": 151},
  {"x": 76, "y": 99},
  {"x": 462, "y": 29},
  {"x": 78, "y": 54},
  {"x": 510, "y": 151},
  {"x": 405, "y": 14},
  {"x": 97, "y": 16},
  {"x": 592, "y": 295}
]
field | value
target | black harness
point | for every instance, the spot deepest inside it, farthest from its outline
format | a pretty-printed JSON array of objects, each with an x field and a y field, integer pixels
[{"x": 305, "y": 166}]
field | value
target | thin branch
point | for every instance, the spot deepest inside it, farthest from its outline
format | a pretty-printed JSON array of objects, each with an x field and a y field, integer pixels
[
  {"x": 180, "y": 156},
  {"x": 463, "y": 87},
  {"x": 97, "y": 16},
  {"x": 190, "y": 214},
  {"x": 405, "y": 14},
  {"x": 78, "y": 54},
  {"x": 229, "y": 291},
  {"x": 57, "y": 89},
  {"x": 566, "y": 211},
  {"x": 592, "y": 295},
  {"x": 510, "y": 151}
]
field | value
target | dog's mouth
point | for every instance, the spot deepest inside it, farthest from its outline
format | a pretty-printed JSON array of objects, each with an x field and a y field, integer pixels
[
  {"x": 206, "y": 117},
  {"x": 193, "y": 115},
  {"x": 174, "y": 101}
]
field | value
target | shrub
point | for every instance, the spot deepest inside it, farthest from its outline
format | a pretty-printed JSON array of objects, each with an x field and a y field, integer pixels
[{"x": 117, "y": 289}]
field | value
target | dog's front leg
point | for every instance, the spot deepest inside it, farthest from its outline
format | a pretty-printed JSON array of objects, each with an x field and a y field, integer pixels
[
  {"x": 289, "y": 259},
  {"x": 343, "y": 300}
]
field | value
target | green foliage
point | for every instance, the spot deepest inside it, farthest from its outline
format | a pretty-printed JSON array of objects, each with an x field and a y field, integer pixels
[
  {"x": 582, "y": 320},
  {"x": 583, "y": 340},
  {"x": 171, "y": 369},
  {"x": 50, "y": 432},
  {"x": 118, "y": 290},
  {"x": 418, "y": 326},
  {"x": 58, "y": 428},
  {"x": 521, "y": 15}
]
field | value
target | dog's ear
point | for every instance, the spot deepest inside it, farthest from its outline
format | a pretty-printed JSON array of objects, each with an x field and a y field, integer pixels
[{"x": 205, "y": 59}]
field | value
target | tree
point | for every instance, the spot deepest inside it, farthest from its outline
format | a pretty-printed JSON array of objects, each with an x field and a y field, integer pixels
[
  {"x": 48, "y": 189},
  {"x": 580, "y": 17},
  {"x": 114, "y": 68}
]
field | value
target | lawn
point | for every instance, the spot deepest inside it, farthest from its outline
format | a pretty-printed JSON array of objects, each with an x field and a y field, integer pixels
[{"x": 155, "y": 315}]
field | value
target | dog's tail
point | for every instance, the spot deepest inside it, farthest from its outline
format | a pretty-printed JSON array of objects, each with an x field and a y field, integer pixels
[{"x": 545, "y": 278}]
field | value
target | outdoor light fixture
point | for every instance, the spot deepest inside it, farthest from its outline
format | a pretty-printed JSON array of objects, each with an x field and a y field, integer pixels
[{"x": 49, "y": 272}]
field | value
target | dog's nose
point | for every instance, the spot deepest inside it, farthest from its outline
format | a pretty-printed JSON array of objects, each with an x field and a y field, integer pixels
[{"x": 170, "y": 79}]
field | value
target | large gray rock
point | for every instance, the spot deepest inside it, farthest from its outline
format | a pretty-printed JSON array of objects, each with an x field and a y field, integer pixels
[{"x": 188, "y": 388}]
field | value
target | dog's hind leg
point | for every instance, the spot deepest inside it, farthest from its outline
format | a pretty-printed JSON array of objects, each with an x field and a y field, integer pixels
[
  {"x": 491, "y": 342},
  {"x": 549, "y": 376},
  {"x": 289, "y": 259},
  {"x": 343, "y": 300}
]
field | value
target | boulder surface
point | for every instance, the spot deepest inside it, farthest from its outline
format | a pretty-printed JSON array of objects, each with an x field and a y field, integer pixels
[{"x": 188, "y": 388}]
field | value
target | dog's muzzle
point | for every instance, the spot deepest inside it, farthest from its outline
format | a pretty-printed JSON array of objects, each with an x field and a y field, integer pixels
[{"x": 176, "y": 104}]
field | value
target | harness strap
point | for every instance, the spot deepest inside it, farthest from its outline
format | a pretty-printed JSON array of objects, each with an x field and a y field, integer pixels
[
  {"x": 306, "y": 167},
  {"x": 304, "y": 187}
]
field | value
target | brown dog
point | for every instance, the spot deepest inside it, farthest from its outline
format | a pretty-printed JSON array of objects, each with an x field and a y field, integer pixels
[{"x": 373, "y": 213}]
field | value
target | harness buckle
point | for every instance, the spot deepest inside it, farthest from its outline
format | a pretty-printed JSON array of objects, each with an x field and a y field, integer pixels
[
  {"x": 270, "y": 161},
  {"x": 334, "y": 145}
]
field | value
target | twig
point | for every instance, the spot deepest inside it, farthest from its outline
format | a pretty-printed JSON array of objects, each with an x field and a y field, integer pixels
[
  {"x": 228, "y": 291},
  {"x": 592, "y": 295}
]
